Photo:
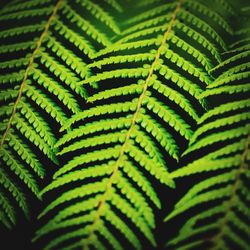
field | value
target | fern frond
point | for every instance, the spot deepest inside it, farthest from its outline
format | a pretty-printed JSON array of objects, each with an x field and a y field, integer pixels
[
  {"x": 126, "y": 46},
  {"x": 22, "y": 128},
  {"x": 11, "y": 78},
  {"x": 236, "y": 44},
  {"x": 27, "y": 14},
  {"x": 75, "y": 63},
  {"x": 230, "y": 79},
  {"x": 53, "y": 87},
  {"x": 8, "y": 184},
  {"x": 169, "y": 7},
  {"x": 43, "y": 70},
  {"x": 100, "y": 155},
  {"x": 85, "y": 25},
  {"x": 7, "y": 211},
  {"x": 175, "y": 96},
  {"x": 206, "y": 11},
  {"x": 155, "y": 21},
  {"x": 222, "y": 136},
  {"x": 26, "y": 129},
  {"x": 112, "y": 149},
  {"x": 24, "y": 6},
  {"x": 229, "y": 120},
  {"x": 180, "y": 43},
  {"x": 219, "y": 201},
  {"x": 243, "y": 48},
  {"x": 38, "y": 85},
  {"x": 21, "y": 30},
  {"x": 227, "y": 6},
  {"x": 19, "y": 170},
  {"x": 168, "y": 116},
  {"x": 122, "y": 59},
  {"x": 62, "y": 73},
  {"x": 243, "y": 88},
  {"x": 26, "y": 154},
  {"x": 237, "y": 69},
  {"x": 49, "y": 106},
  {"x": 203, "y": 27},
  {"x": 15, "y": 63},
  {"x": 157, "y": 24},
  {"x": 233, "y": 59},
  {"x": 107, "y": 95},
  {"x": 118, "y": 137},
  {"x": 94, "y": 127},
  {"x": 100, "y": 14},
  {"x": 97, "y": 111},
  {"x": 77, "y": 40},
  {"x": 17, "y": 47}
]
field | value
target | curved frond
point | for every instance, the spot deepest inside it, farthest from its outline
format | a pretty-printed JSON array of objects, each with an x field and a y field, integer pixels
[
  {"x": 133, "y": 129},
  {"x": 219, "y": 201},
  {"x": 40, "y": 72}
]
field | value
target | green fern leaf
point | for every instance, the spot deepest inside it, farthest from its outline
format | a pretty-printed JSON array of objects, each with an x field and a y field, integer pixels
[
  {"x": 38, "y": 88},
  {"x": 101, "y": 101},
  {"x": 220, "y": 200},
  {"x": 113, "y": 149}
]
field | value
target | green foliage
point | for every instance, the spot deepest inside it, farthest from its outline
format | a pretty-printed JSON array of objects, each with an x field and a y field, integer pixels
[
  {"x": 220, "y": 200},
  {"x": 38, "y": 88},
  {"x": 103, "y": 101}
]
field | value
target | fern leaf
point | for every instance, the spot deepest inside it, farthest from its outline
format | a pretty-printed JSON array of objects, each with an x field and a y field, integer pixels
[
  {"x": 219, "y": 204},
  {"x": 105, "y": 97},
  {"x": 56, "y": 89},
  {"x": 234, "y": 70},
  {"x": 43, "y": 68},
  {"x": 115, "y": 4},
  {"x": 175, "y": 96},
  {"x": 37, "y": 96},
  {"x": 101, "y": 14},
  {"x": 126, "y": 46},
  {"x": 169, "y": 7},
  {"x": 75, "y": 63},
  {"x": 123, "y": 145},
  {"x": 15, "y": 63},
  {"x": 17, "y": 47},
  {"x": 168, "y": 116},
  {"x": 85, "y": 26},
  {"x": 206, "y": 11},
  {"x": 24, "y": 6},
  {"x": 26, "y": 154},
  {"x": 230, "y": 79},
  {"x": 85, "y": 191},
  {"x": 61, "y": 72},
  {"x": 243, "y": 88},
  {"x": 221, "y": 136},
  {"x": 100, "y": 155},
  {"x": 37, "y": 122},
  {"x": 19, "y": 170},
  {"x": 230, "y": 60},
  {"x": 8, "y": 184},
  {"x": 122, "y": 59},
  {"x": 21, "y": 30},
  {"x": 224, "y": 108},
  {"x": 7, "y": 211},
  {"x": 220, "y": 123},
  {"x": 118, "y": 137},
  {"x": 77, "y": 40},
  {"x": 17, "y": 155},
  {"x": 27, "y": 13}
]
